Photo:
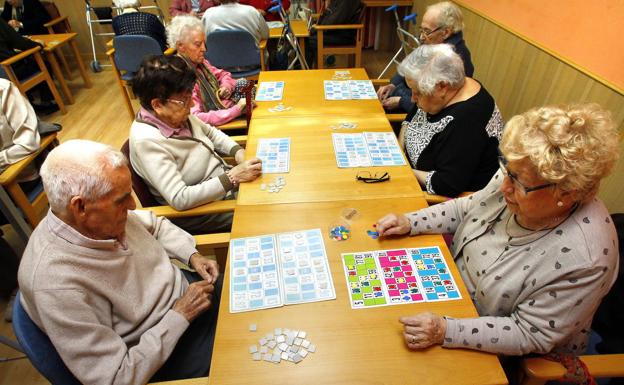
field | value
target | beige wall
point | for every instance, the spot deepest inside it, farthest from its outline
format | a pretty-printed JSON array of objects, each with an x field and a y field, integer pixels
[{"x": 520, "y": 75}]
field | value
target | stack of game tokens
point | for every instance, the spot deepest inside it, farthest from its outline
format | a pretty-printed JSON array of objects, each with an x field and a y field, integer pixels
[{"x": 339, "y": 233}]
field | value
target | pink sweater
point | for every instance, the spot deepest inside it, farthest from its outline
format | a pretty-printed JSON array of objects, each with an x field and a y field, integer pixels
[
  {"x": 216, "y": 117},
  {"x": 106, "y": 305}
]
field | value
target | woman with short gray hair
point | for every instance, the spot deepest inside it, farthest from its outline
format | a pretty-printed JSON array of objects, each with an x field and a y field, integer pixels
[
  {"x": 132, "y": 21},
  {"x": 451, "y": 138}
]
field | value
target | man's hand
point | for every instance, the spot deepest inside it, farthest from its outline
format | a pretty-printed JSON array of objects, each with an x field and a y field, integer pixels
[
  {"x": 247, "y": 171},
  {"x": 196, "y": 300},
  {"x": 207, "y": 268},
  {"x": 224, "y": 93},
  {"x": 423, "y": 330},
  {"x": 391, "y": 103},
  {"x": 15, "y": 24},
  {"x": 384, "y": 92},
  {"x": 393, "y": 224}
]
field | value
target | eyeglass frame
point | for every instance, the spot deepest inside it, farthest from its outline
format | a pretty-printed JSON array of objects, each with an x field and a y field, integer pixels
[
  {"x": 373, "y": 178},
  {"x": 502, "y": 164},
  {"x": 422, "y": 31},
  {"x": 182, "y": 103}
]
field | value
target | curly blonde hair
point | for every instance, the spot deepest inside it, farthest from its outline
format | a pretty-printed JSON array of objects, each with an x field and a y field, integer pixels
[{"x": 573, "y": 146}]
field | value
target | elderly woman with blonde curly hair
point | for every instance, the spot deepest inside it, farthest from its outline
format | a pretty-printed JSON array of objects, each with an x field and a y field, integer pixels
[{"x": 536, "y": 248}]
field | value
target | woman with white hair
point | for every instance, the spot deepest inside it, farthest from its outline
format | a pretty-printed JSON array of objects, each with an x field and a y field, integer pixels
[
  {"x": 452, "y": 137},
  {"x": 535, "y": 248},
  {"x": 217, "y": 98},
  {"x": 131, "y": 21}
]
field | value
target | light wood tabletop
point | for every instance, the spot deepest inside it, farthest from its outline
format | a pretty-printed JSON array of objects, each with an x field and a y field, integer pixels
[
  {"x": 53, "y": 42},
  {"x": 304, "y": 93},
  {"x": 363, "y": 346},
  {"x": 314, "y": 175},
  {"x": 299, "y": 28}
]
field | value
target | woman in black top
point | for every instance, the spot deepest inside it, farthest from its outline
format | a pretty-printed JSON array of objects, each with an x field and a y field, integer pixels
[{"x": 451, "y": 136}]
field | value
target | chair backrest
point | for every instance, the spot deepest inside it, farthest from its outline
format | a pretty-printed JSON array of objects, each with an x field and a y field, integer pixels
[
  {"x": 54, "y": 13},
  {"x": 39, "y": 348},
  {"x": 232, "y": 49},
  {"x": 131, "y": 49},
  {"x": 138, "y": 184}
]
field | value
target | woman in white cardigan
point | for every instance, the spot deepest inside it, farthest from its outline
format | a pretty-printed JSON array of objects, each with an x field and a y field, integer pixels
[{"x": 178, "y": 156}]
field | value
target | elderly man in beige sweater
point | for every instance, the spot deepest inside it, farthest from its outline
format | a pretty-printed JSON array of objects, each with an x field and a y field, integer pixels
[{"x": 96, "y": 277}]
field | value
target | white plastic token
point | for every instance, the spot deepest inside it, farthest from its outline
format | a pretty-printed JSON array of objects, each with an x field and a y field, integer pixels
[
  {"x": 312, "y": 348},
  {"x": 303, "y": 353},
  {"x": 253, "y": 327},
  {"x": 305, "y": 343},
  {"x": 257, "y": 356},
  {"x": 302, "y": 334},
  {"x": 253, "y": 349}
]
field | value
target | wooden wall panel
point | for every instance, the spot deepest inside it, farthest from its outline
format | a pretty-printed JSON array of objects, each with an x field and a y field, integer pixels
[{"x": 520, "y": 76}]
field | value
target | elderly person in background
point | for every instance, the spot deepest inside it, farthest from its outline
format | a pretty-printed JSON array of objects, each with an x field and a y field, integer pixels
[
  {"x": 26, "y": 16},
  {"x": 451, "y": 140},
  {"x": 535, "y": 248},
  {"x": 217, "y": 98},
  {"x": 441, "y": 23},
  {"x": 232, "y": 15},
  {"x": 179, "y": 156},
  {"x": 263, "y": 7},
  {"x": 335, "y": 12},
  {"x": 190, "y": 7},
  {"x": 133, "y": 22},
  {"x": 97, "y": 278}
]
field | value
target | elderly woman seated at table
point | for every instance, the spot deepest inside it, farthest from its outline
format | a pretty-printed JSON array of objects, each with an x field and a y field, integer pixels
[
  {"x": 132, "y": 21},
  {"x": 451, "y": 137},
  {"x": 216, "y": 96},
  {"x": 179, "y": 156},
  {"x": 535, "y": 248}
]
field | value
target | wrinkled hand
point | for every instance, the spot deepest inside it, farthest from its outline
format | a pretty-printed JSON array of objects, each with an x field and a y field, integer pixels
[
  {"x": 195, "y": 300},
  {"x": 393, "y": 224},
  {"x": 384, "y": 91},
  {"x": 15, "y": 23},
  {"x": 247, "y": 171},
  {"x": 391, "y": 103},
  {"x": 224, "y": 93},
  {"x": 239, "y": 157},
  {"x": 207, "y": 268},
  {"x": 423, "y": 330}
]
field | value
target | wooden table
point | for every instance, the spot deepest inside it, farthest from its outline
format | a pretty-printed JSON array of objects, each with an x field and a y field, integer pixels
[
  {"x": 299, "y": 28},
  {"x": 53, "y": 42},
  {"x": 304, "y": 92},
  {"x": 314, "y": 175},
  {"x": 362, "y": 346}
]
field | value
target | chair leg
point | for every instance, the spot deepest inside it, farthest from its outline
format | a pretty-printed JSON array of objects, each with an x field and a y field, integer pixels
[
  {"x": 21, "y": 201},
  {"x": 320, "y": 56}
]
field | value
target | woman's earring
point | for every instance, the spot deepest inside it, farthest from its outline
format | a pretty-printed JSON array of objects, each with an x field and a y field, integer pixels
[{"x": 560, "y": 204}]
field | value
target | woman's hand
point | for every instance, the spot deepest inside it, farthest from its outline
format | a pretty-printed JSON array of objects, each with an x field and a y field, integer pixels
[
  {"x": 423, "y": 330},
  {"x": 391, "y": 103},
  {"x": 393, "y": 224},
  {"x": 247, "y": 171},
  {"x": 224, "y": 93},
  {"x": 239, "y": 157}
]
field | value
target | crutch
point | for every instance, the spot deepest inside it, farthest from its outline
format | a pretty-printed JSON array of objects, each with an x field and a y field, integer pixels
[{"x": 408, "y": 41}]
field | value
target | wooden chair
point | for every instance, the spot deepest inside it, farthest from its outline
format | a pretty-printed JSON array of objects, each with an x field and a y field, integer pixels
[
  {"x": 433, "y": 199},
  {"x": 217, "y": 241},
  {"x": 355, "y": 49},
  {"x": 57, "y": 24},
  {"x": 242, "y": 123},
  {"x": 33, "y": 207},
  {"x": 540, "y": 370},
  {"x": 42, "y": 76}
]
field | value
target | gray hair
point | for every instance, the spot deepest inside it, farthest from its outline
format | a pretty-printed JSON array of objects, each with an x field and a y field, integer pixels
[
  {"x": 449, "y": 15},
  {"x": 430, "y": 65},
  {"x": 77, "y": 168},
  {"x": 123, "y": 4},
  {"x": 180, "y": 26}
]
